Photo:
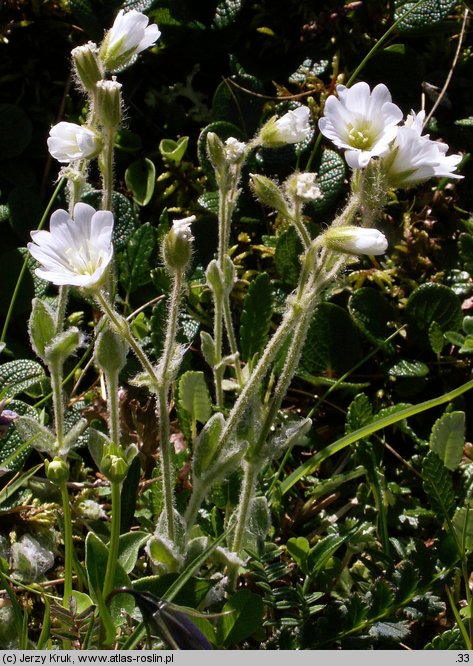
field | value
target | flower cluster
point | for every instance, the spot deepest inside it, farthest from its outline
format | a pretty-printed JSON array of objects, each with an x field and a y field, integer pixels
[
  {"x": 366, "y": 124},
  {"x": 129, "y": 35}
]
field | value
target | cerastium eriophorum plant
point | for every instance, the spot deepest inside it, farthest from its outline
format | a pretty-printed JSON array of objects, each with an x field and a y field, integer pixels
[{"x": 245, "y": 428}]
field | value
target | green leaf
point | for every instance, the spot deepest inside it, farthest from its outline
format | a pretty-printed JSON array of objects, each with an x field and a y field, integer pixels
[
  {"x": 447, "y": 439},
  {"x": 125, "y": 219},
  {"x": 326, "y": 350},
  {"x": 140, "y": 178},
  {"x": 428, "y": 14},
  {"x": 129, "y": 548},
  {"x": 463, "y": 526},
  {"x": 174, "y": 151},
  {"x": 372, "y": 313},
  {"x": 448, "y": 640},
  {"x": 320, "y": 554},
  {"x": 360, "y": 413},
  {"x": 256, "y": 317},
  {"x": 288, "y": 249},
  {"x": 381, "y": 598},
  {"x": 393, "y": 632},
  {"x": 18, "y": 376},
  {"x": 244, "y": 615},
  {"x": 137, "y": 259},
  {"x": 96, "y": 555},
  {"x": 205, "y": 448},
  {"x": 194, "y": 396},
  {"x": 11, "y": 488},
  {"x": 209, "y": 201},
  {"x": 436, "y": 338},
  {"x": 298, "y": 548},
  {"x": 226, "y": 13},
  {"x": 432, "y": 302},
  {"x": 407, "y": 368},
  {"x": 16, "y": 131},
  {"x": 331, "y": 172},
  {"x": 438, "y": 486},
  {"x": 41, "y": 326}
]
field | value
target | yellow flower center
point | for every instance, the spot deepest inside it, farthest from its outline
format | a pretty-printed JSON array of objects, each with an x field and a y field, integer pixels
[{"x": 359, "y": 136}]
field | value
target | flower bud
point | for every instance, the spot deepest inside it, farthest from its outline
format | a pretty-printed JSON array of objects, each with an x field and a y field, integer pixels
[
  {"x": 114, "y": 468},
  {"x": 215, "y": 150},
  {"x": 292, "y": 127},
  {"x": 57, "y": 470},
  {"x": 269, "y": 194},
  {"x": 221, "y": 282},
  {"x": 355, "y": 240},
  {"x": 110, "y": 351},
  {"x": 177, "y": 247},
  {"x": 68, "y": 142},
  {"x": 87, "y": 65},
  {"x": 109, "y": 103}
]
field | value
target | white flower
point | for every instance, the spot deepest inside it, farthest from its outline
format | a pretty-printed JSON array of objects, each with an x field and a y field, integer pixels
[
  {"x": 68, "y": 142},
  {"x": 129, "y": 35},
  {"x": 361, "y": 121},
  {"x": 292, "y": 127},
  {"x": 75, "y": 251},
  {"x": 91, "y": 510},
  {"x": 414, "y": 158},
  {"x": 306, "y": 187},
  {"x": 356, "y": 240},
  {"x": 182, "y": 228},
  {"x": 234, "y": 150}
]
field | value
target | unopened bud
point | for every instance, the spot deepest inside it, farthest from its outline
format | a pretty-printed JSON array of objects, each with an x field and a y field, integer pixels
[
  {"x": 57, "y": 470},
  {"x": 355, "y": 240},
  {"x": 87, "y": 65},
  {"x": 109, "y": 103},
  {"x": 114, "y": 468},
  {"x": 177, "y": 246},
  {"x": 110, "y": 351},
  {"x": 269, "y": 194}
]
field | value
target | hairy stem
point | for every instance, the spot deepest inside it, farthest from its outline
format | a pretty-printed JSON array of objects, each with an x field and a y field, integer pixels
[
  {"x": 122, "y": 328},
  {"x": 114, "y": 539}
]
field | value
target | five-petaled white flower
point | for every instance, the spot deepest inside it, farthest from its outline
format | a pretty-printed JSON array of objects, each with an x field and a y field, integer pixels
[
  {"x": 414, "y": 158},
  {"x": 356, "y": 240},
  {"x": 182, "y": 228},
  {"x": 77, "y": 251},
  {"x": 363, "y": 122},
  {"x": 129, "y": 35},
  {"x": 306, "y": 187},
  {"x": 234, "y": 150},
  {"x": 292, "y": 127},
  {"x": 68, "y": 142}
]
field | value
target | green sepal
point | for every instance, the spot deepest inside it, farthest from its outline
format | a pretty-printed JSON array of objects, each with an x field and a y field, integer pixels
[
  {"x": 269, "y": 194},
  {"x": 62, "y": 346},
  {"x": 111, "y": 350},
  {"x": 41, "y": 326},
  {"x": 206, "y": 446},
  {"x": 207, "y": 344}
]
